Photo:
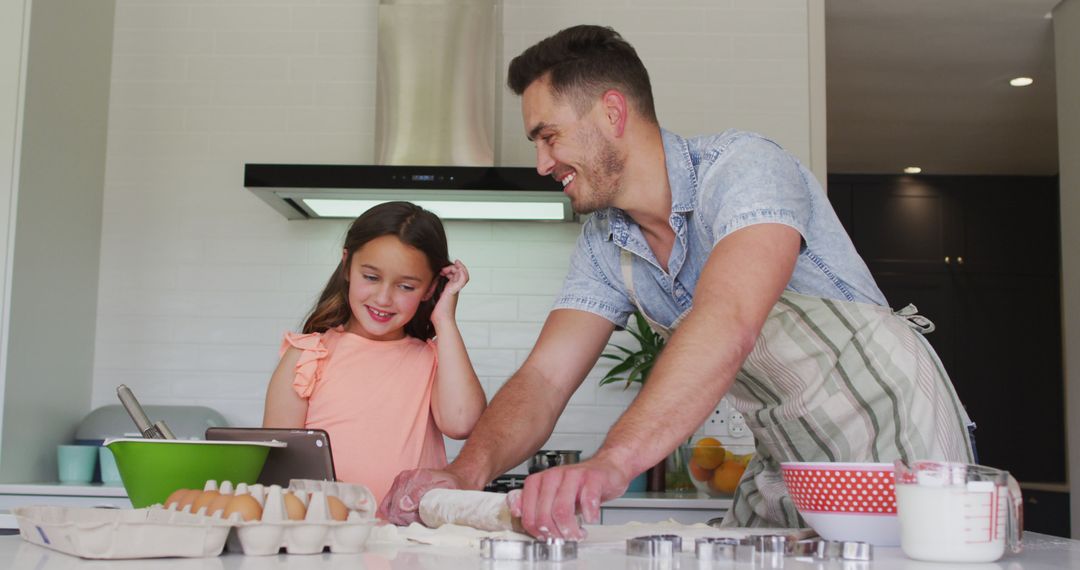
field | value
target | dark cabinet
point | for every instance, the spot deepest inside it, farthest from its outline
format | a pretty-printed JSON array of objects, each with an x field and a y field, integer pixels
[{"x": 979, "y": 256}]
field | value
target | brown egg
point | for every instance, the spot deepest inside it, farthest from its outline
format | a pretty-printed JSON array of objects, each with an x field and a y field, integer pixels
[
  {"x": 338, "y": 510},
  {"x": 204, "y": 500},
  {"x": 175, "y": 497},
  {"x": 246, "y": 505},
  {"x": 218, "y": 504},
  {"x": 187, "y": 498},
  {"x": 294, "y": 507}
]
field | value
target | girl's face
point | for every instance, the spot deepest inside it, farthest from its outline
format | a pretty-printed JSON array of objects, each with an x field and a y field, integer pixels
[{"x": 387, "y": 282}]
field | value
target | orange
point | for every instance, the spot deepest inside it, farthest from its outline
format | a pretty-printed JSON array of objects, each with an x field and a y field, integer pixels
[
  {"x": 699, "y": 473},
  {"x": 708, "y": 453},
  {"x": 726, "y": 478}
]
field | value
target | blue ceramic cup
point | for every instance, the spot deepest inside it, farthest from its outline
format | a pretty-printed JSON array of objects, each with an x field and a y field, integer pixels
[
  {"x": 75, "y": 463},
  {"x": 110, "y": 475}
]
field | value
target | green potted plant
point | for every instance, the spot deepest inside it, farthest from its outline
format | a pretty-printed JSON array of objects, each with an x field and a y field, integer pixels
[{"x": 634, "y": 366}]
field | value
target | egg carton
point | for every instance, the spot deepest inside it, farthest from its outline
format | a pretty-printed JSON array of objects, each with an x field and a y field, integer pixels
[
  {"x": 115, "y": 534},
  {"x": 299, "y": 519}
]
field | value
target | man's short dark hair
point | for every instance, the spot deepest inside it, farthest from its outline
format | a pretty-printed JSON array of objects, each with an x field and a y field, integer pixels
[{"x": 582, "y": 63}]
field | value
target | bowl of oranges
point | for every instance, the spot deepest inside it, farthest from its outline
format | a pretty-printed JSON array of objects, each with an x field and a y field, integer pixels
[{"x": 706, "y": 466}]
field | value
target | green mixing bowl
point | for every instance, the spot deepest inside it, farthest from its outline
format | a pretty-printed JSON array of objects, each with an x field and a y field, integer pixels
[{"x": 153, "y": 468}]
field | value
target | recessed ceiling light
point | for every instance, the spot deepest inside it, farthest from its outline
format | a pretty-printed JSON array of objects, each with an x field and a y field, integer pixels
[
  {"x": 912, "y": 170},
  {"x": 1021, "y": 81}
]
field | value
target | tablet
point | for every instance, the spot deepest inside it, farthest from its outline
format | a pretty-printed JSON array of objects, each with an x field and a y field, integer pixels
[{"x": 307, "y": 455}]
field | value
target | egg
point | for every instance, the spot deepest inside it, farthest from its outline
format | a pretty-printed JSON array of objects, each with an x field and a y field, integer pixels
[
  {"x": 175, "y": 497},
  {"x": 204, "y": 500},
  {"x": 338, "y": 510},
  {"x": 218, "y": 504},
  {"x": 246, "y": 506},
  {"x": 294, "y": 507},
  {"x": 187, "y": 498}
]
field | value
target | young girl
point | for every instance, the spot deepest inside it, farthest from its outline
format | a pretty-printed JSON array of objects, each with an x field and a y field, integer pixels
[{"x": 366, "y": 369}]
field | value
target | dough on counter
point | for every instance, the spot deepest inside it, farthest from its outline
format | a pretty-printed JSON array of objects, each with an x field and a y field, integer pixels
[{"x": 474, "y": 509}]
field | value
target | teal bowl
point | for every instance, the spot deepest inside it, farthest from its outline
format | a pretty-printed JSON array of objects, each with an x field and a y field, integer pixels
[{"x": 151, "y": 469}]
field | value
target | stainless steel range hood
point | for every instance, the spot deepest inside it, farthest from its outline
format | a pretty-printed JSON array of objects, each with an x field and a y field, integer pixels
[{"x": 435, "y": 129}]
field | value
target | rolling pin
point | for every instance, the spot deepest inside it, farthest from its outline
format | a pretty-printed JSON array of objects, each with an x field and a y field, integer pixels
[{"x": 477, "y": 509}]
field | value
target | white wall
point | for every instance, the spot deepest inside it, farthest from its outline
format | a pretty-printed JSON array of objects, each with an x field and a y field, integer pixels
[
  {"x": 13, "y": 16},
  {"x": 1067, "y": 61},
  {"x": 199, "y": 278},
  {"x": 54, "y": 249}
]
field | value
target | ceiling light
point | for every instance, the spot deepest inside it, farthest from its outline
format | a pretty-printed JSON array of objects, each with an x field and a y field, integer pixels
[
  {"x": 912, "y": 170},
  {"x": 1021, "y": 81}
]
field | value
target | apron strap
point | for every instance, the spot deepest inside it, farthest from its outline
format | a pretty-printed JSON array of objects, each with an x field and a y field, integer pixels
[{"x": 913, "y": 319}]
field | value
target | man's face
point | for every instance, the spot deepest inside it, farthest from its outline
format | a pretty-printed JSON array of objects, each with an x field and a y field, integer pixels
[{"x": 574, "y": 150}]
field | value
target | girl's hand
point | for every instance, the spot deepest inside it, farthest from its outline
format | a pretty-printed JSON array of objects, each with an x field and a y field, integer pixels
[{"x": 456, "y": 277}]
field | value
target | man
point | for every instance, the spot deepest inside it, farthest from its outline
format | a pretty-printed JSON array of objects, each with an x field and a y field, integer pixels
[{"x": 731, "y": 242}]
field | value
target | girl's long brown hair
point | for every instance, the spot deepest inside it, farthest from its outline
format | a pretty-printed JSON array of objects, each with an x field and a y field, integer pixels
[{"x": 415, "y": 227}]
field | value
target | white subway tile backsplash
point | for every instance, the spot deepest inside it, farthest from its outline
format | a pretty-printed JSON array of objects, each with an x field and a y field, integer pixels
[
  {"x": 587, "y": 419},
  {"x": 145, "y": 356},
  {"x": 493, "y": 362},
  {"x": 240, "y": 18},
  {"x": 167, "y": 41},
  {"x": 265, "y": 42},
  {"x": 341, "y": 93},
  {"x": 484, "y": 254},
  {"x": 236, "y": 119},
  {"x": 148, "y": 119},
  {"x": 495, "y": 308},
  {"x": 526, "y": 281},
  {"x": 534, "y": 308},
  {"x": 333, "y": 68},
  {"x": 238, "y": 68},
  {"x": 347, "y": 43},
  {"x": 358, "y": 18},
  {"x": 174, "y": 145},
  {"x": 317, "y": 148},
  {"x": 329, "y": 120},
  {"x": 475, "y": 335},
  {"x": 231, "y": 331},
  {"x": 156, "y": 16},
  {"x": 258, "y": 93},
  {"x": 199, "y": 278},
  {"x": 514, "y": 335},
  {"x": 124, "y": 94},
  {"x": 237, "y": 358},
  {"x": 163, "y": 67}
]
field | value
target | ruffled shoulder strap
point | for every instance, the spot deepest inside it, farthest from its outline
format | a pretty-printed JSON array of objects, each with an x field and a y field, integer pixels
[{"x": 308, "y": 368}]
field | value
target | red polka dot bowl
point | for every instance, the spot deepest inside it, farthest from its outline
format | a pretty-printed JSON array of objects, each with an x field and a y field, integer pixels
[{"x": 846, "y": 501}]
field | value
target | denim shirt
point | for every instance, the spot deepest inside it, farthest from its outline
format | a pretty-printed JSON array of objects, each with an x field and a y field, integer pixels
[{"x": 719, "y": 184}]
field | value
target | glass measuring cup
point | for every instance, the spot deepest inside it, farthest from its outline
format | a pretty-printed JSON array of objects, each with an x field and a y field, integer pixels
[{"x": 956, "y": 512}]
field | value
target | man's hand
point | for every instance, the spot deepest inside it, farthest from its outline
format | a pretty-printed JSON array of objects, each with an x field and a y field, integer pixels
[
  {"x": 552, "y": 498},
  {"x": 401, "y": 504}
]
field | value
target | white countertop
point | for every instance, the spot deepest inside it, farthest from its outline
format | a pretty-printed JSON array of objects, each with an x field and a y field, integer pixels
[
  {"x": 1042, "y": 552},
  {"x": 63, "y": 489},
  {"x": 645, "y": 500}
]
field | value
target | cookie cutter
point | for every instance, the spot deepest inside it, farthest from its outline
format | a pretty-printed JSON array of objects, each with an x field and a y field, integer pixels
[
  {"x": 551, "y": 550},
  {"x": 716, "y": 549},
  {"x": 768, "y": 550},
  {"x": 654, "y": 546},
  {"x": 844, "y": 550},
  {"x": 555, "y": 550}
]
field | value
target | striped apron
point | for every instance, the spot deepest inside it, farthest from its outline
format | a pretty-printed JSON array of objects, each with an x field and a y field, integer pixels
[{"x": 834, "y": 380}]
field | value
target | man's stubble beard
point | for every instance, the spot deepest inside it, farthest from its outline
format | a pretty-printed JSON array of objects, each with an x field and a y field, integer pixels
[{"x": 604, "y": 177}]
